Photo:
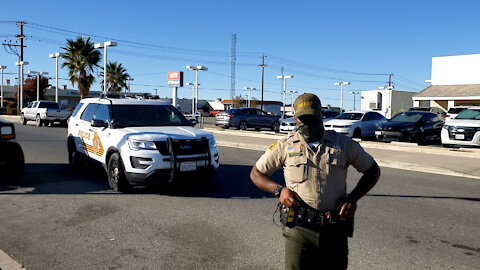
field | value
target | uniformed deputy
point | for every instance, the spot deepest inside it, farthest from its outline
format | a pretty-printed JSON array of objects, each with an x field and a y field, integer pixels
[{"x": 315, "y": 165}]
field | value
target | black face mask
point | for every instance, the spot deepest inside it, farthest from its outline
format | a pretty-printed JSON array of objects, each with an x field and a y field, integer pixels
[{"x": 311, "y": 129}]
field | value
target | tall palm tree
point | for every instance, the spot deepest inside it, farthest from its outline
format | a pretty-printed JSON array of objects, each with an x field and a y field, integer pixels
[
  {"x": 117, "y": 77},
  {"x": 81, "y": 58}
]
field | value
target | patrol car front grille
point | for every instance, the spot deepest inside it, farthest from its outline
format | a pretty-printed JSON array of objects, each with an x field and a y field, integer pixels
[
  {"x": 468, "y": 132},
  {"x": 184, "y": 147}
]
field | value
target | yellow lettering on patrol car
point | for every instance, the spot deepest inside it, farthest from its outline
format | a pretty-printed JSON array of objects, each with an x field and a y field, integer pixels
[
  {"x": 272, "y": 146},
  {"x": 83, "y": 134},
  {"x": 97, "y": 147}
]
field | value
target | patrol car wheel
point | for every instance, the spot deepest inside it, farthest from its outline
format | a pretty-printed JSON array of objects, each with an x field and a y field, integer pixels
[
  {"x": 116, "y": 173},
  {"x": 12, "y": 161},
  {"x": 243, "y": 125},
  {"x": 24, "y": 121},
  {"x": 38, "y": 121},
  {"x": 74, "y": 159},
  {"x": 357, "y": 133}
]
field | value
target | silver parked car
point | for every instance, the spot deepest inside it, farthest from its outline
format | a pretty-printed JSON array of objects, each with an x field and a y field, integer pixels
[
  {"x": 356, "y": 124},
  {"x": 243, "y": 118}
]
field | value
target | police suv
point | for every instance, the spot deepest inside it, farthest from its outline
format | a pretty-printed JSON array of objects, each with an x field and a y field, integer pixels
[{"x": 139, "y": 142}]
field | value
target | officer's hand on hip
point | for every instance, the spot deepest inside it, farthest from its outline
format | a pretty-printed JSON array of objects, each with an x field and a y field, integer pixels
[
  {"x": 289, "y": 198},
  {"x": 347, "y": 209}
]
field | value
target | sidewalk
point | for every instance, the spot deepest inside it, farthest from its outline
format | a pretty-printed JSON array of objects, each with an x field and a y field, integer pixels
[{"x": 462, "y": 162}]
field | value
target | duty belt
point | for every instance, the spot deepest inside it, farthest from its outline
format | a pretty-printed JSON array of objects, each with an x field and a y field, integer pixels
[{"x": 307, "y": 217}]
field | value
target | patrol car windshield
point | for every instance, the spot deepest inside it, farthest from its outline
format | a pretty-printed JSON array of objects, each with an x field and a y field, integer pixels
[
  {"x": 147, "y": 116},
  {"x": 350, "y": 116}
]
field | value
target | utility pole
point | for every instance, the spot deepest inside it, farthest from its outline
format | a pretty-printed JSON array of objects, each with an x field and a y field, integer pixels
[
  {"x": 390, "y": 81},
  {"x": 263, "y": 66},
  {"x": 21, "y": 37}
]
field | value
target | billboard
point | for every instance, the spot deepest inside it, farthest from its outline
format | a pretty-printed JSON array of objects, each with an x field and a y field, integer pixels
[{"x": 175, "y": 79}]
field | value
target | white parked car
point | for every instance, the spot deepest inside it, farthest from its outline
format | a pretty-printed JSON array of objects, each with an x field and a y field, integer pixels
[
  {"x": 44, "y": 112},
  {"x": 453, "y": 112},
  {"x": 139, "y": 142},
  {"x": 289, "y": 124},
  {"x": 464, "y": 129},
  {"x": 356, "y": 124}
]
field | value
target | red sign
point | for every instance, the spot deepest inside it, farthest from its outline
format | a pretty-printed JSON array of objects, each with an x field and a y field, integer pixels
[{"x": 175, "y": 79}]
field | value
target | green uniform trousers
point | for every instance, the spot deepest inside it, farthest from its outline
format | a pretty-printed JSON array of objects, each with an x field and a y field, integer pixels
[{"x": 306, "y": 249}]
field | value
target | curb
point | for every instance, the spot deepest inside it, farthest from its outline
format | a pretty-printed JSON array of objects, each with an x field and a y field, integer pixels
[{"x": 8, "y": 263}]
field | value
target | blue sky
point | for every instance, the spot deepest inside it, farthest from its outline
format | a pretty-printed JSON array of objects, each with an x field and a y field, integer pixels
[{"x": 318, "y": 42}]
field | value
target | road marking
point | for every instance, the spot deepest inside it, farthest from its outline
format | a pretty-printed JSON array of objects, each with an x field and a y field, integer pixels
[{"x": 8, "y": 263}]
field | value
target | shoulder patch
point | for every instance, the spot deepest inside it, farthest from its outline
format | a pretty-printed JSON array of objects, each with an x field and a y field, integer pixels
[{"x": 273, "y": 146}]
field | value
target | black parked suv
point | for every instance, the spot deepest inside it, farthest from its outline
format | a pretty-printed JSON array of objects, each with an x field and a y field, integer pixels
[
  {"x": 411, "y": 126},
  {"x": 243, "y": 118},
  {"x": 12, "y": 161}
]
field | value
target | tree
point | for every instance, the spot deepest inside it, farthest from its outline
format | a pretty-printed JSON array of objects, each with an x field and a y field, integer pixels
[
  {"x": 238, "y": 102},
  {"x": 254, "y": 103},
  {"x": 81, "y": 58},
  {"x": 116, "y": 77},
  {"x": 30, "y": 89}
]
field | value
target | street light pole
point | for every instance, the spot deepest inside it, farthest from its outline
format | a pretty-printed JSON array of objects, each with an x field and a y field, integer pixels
[
  {"x": 56, "y": 56},
  {"x": 293, "y": 93},
  {"x": 196, "y": 68},
  {"x": 193, "y": 96},
  {"x": 341, "y": 93},
  {"x": 2, "y": 68},
  {"x": 284, "y": 77},
  {"x": 354, "y": 98},
  {"x": 38, "y": 80},
  {"x": 250, "y": 89},
  {"x": 104, "y": 45},
  {"x": 129, "y": 79},
  {"x": 21, "y": 64}
]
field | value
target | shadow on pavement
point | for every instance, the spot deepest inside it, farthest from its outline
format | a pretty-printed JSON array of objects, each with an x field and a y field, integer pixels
[{"x": 231, "y": 181}]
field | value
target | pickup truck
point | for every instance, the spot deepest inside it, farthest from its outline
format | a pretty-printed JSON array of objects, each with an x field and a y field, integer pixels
[{"x": 44, "y": 112}]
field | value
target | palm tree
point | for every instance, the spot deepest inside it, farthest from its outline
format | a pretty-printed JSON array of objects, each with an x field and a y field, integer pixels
[
  {"x": 117, "y": 77},
  {"x": 81, "y": 58}
]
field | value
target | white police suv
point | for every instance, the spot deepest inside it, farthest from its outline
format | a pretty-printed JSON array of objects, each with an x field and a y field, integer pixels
[{"x": 139, "y": 142}]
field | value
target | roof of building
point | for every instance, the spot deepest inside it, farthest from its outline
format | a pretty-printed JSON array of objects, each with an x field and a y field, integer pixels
[{"x": 463, "y": 90}]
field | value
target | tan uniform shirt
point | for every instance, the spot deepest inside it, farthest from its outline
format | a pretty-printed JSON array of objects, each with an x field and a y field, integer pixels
[{"x": 318, "y": 177}]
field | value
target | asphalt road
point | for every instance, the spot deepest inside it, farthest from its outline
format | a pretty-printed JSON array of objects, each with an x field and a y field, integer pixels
[{"x": 54, "y": 219}]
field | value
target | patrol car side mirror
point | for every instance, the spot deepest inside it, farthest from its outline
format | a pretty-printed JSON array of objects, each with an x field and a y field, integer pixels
[{"x": 99, "y": 123}]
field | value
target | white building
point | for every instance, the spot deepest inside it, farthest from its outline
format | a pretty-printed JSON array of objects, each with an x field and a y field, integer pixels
[
  {"x": 455, "y": 81},
  {"x": 387, "y": 101}
]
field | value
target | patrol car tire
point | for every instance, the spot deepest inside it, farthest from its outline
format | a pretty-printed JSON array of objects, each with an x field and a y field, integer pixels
[
  {"x": 116, "y": 173},
  {"x": 38, "y": 121},
  {"x": 243, "y": 125},
  {"x": 276, "y": 126},
  {"x": 74, "y": 160},
  {"x": 24, "y": 121},
  {"x": 11, "y": 155}
]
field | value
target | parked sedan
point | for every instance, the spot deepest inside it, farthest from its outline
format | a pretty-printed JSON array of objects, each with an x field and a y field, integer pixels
[
  {"x": 243, "y": 118},
  {"x": 411, "y": 126},
  {"x": 289, "y": 124},
  {"x": 356, "y": 124},
  {"x": 464, "y": 129}
]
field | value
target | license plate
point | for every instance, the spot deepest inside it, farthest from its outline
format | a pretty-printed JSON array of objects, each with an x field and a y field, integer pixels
[
  {"x": 460, "y": 136},
  {"x": 378, "y": 132},
  {"x": 188, "y": 166}
]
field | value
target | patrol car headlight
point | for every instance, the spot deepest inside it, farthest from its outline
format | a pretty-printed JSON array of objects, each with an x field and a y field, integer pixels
[
  {"x": 141, "y": 145},
  {"x": 212, "y": 143},
  {"x": 6, "y": 132}
]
